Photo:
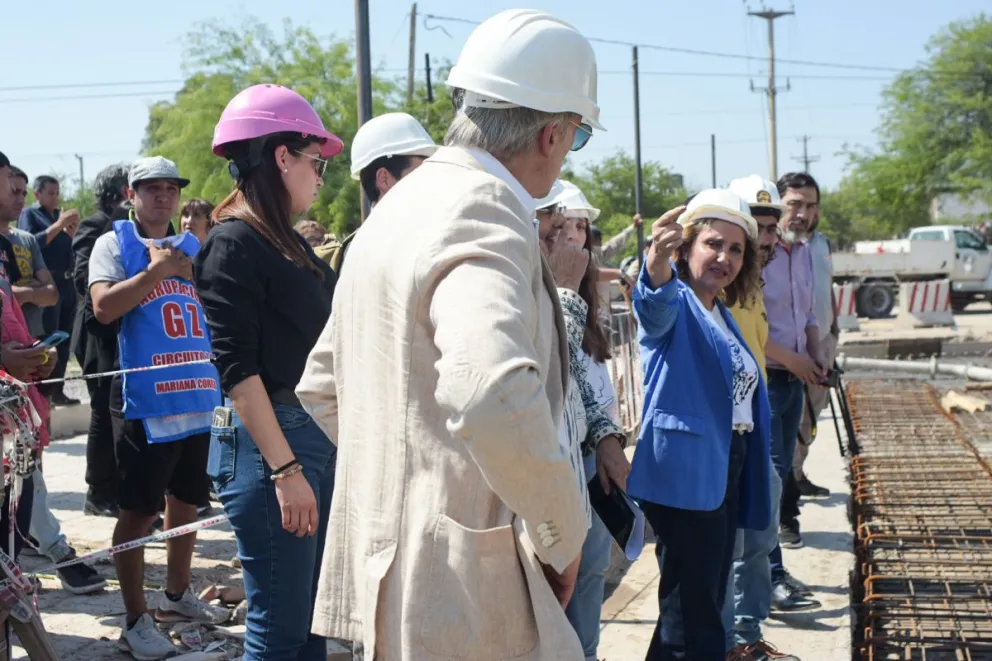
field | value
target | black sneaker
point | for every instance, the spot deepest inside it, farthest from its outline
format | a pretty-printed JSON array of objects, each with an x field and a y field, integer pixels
[
  {"x": 796, "y": 585},
  {"x": 786, "y": 600},
  {"x": 94, "y": 507},
  {"x": 80, "y": 578},
  {"x": 810, "y": 490},
  {"x": 788, "y": 535},
  {"x": 59, "y": 398}
]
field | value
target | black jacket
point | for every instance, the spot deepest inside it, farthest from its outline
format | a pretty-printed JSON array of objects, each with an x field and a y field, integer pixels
[{"x": 94, "y": 344}]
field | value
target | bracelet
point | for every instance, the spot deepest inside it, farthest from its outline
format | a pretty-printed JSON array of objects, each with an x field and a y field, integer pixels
[
  {"x": 282, "y": 468},
  {"x": 289, "y": 473}
]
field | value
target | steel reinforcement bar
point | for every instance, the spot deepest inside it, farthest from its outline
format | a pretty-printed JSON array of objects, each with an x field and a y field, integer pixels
[{"x": 921, "y": 507}]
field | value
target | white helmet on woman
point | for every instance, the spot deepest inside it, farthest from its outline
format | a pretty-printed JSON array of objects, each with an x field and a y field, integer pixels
[
  {"x": 527, "y": 58},
  {"x": 575, "y": 202}
]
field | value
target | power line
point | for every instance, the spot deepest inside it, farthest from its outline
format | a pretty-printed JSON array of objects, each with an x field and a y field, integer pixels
[
  {"x": 83, "y": 97},
  {"x": 688, "y": 51},
  {"x": 32, "y": 88}
]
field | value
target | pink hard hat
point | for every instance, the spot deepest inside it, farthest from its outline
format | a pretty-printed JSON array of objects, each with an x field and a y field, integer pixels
[{"x": 262, "y": 110}]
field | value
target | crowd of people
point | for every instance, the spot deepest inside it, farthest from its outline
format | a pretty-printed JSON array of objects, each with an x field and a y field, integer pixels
[{"x": 406, "y": 448}]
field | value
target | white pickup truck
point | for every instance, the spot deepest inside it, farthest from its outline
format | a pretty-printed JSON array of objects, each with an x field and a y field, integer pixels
[{"x": 933, "y": 252}]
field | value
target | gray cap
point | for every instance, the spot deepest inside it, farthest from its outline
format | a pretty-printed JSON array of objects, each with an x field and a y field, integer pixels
[{"x": 154, "y": 167}]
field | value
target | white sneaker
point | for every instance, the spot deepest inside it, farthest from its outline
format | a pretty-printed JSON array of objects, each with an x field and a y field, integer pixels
[
  {"x": 145, "y": 642},
  {"x": 190, "y": 608}
]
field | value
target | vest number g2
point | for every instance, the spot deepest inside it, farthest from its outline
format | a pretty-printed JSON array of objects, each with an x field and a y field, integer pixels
[{"x": 175, "y": 323}]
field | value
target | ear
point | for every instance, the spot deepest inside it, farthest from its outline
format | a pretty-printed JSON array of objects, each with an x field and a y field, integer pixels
[
  {"x": 281, "y": 155},
  {"x": 548, "y": 138},
  {"x": 131, "y": 194},
  {"x": 384, "y": 180}
]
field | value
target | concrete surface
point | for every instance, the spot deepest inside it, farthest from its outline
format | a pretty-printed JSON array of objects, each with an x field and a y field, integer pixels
[
  {"x": 825, "y": 563},
  {"x": 974, "y": 324},
  {"x": 86, "y": 628}
]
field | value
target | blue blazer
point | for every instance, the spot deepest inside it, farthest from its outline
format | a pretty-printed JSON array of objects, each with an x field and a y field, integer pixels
[{"x": 683, "y": 451}]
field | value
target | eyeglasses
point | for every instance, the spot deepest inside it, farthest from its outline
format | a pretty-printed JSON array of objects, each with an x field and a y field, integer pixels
[
  {"x": 582, "y": 134},
  {"x": 320, "y": 165}
]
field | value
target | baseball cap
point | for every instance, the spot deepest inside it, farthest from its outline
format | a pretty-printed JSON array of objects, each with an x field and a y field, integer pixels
[{"x": 154, "y": 167}]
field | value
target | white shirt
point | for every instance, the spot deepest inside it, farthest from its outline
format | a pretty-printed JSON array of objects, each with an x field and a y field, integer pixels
[
  {"x": 745, "y": 373},
  {"x": 598, "y": 376},
  {"x": 823, "y": 276}
]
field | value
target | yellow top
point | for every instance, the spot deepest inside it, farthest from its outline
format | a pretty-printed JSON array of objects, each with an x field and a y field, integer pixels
[{"x": 753, "y": 323}]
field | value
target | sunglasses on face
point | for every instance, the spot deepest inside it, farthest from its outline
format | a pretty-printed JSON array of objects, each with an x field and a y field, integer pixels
[
  {"x": 320, "y": 165},
  {"x": 582, "y": 134}
]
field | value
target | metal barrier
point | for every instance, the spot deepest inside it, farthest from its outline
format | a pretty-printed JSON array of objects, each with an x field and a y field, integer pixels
[{"x": 625, "y": 371}]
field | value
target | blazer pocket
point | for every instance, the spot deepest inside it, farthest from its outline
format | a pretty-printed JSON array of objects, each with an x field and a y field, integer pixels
[
  {"x": 683, "y": 422},
  {"x": 479, "y": 606}
]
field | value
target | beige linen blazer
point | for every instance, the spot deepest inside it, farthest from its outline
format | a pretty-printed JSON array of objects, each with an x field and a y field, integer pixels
[{"x": 441, "y": 377}]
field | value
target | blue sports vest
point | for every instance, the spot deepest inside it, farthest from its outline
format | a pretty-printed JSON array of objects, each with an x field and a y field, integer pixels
[{"x": 167, "y": 327}]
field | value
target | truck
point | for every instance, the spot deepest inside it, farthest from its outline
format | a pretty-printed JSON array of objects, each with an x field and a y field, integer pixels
[{"x": 934, "y": 252}]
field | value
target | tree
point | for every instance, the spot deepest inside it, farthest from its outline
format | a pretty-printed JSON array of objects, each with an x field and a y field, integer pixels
[
  {"x": 219, "y": 61},
  {"x": 935, "y": 135},
  {"x": 609, "y": 186}
]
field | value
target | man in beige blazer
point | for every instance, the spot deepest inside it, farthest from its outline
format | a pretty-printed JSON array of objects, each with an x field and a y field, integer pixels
[{"x": 456, "y": 523}]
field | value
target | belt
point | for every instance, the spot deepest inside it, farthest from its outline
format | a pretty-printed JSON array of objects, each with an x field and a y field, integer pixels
[
  {"x": 781, "y": 373},
  {"x": 285, "y": 396}
]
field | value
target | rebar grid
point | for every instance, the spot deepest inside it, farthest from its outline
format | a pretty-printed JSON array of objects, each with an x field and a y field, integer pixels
[{"x": 921, "y": 508}]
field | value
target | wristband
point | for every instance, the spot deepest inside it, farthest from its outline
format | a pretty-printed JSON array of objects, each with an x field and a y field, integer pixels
[{"x": 282, "y": 468}]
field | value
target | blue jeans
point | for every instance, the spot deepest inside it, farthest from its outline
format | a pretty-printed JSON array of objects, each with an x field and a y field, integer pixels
[
  {"x": 45, "y": 528},
  {"x": 786, "y": 396},
  {"x": 280, "y": 569},
  {"x": 752, "y": 573},
  {"x": 585, "y": 608}
]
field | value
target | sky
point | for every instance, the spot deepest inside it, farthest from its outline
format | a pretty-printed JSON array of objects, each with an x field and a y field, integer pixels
[{"x": 125, "y": 56}]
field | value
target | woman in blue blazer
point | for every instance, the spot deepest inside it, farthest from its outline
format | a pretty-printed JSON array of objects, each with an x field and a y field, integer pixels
[{"x": 702, "y": 463}]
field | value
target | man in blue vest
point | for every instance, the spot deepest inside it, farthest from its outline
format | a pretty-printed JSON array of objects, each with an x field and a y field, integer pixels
[{"x": 141, "y": 278}]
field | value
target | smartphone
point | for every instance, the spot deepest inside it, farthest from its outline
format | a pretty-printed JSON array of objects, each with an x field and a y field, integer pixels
[{"x": 53, "y": 340}]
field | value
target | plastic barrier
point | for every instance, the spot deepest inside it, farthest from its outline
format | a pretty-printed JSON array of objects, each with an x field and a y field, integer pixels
[
  {"x": 846, "y": 306},
  {"x": 926, "y": 303}
]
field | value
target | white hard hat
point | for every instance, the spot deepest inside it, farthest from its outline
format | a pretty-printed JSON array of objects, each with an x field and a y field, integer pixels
[
  {"x": 574, "y": 200},
  {"x": 555, "y": 196},
  {"x": 757, "y": 192},
  {"x": 392, "y": 134},
  {"x": 530, "y": 59},
  {"x": 720, "y": 204}
]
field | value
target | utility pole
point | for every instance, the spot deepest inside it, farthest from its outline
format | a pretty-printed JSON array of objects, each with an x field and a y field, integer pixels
[
  {"x": 82, "y": 180},
  {"x": 410, "y": 71},
  {"x": 713, "y": 157},
  {"x": 772, "y": 91},
  {"x": 430, "y": 87},
  {"x": 638, "y": 183},
  {"x": 363, "y": 62},
  {"x": 805, "y": 159}
]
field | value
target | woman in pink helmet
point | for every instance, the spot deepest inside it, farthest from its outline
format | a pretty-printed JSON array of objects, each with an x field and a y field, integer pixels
[{"x": 267, "y": 298}]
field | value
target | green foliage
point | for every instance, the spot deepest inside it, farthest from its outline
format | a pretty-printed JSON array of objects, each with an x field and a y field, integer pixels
[
  {"x": 609, "y": 186},
  {"x": 935, "y": 137},
  {"x": 219, "y": 61}
]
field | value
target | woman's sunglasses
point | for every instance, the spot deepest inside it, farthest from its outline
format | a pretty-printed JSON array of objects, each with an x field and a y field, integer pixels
[{"x": 320, "y": 165}]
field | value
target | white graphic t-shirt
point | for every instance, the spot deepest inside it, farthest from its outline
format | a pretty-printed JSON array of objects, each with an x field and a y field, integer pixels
[{"x": 745, "y": 372}]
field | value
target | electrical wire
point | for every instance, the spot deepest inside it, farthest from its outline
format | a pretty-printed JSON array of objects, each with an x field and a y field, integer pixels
[{"x": 695, "y": 51}]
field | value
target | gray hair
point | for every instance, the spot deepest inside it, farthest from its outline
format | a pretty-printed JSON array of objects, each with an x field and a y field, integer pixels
[{"x": 503, "y": 132}]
